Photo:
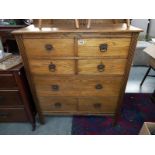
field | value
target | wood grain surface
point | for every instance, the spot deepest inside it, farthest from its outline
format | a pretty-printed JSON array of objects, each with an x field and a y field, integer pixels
[
  {"x": 115, "y": 47},
  {"x": 61, "y": 67},
  {"x": 111, "y": 66},
  {"x": 99, "y": 104},
  {"x": 74, "y": 86},
  {"x": 91, "y": 66},
  {"x": 60, "y": 47},
  {"x": 58, "y": 103}
]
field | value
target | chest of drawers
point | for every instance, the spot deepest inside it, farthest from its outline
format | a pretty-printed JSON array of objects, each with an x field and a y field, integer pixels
[
  {"x": 16, "y": 104},
  {"x": 77, "y": 71}
]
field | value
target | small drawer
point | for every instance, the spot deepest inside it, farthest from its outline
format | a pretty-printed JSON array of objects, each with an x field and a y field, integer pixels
[
  {"x": 52, "y": 67},
  {"x": 7, "y": 81},
  {"x": 45, "y": 48},
  {"x": 98, "y": 86},
  {"x": 111, "y": 47},
  {"x": 58, "y": 104},
  {"x": 102, "y": 67},
  {"x": 12, "y": 115},
  {"x": 98, "y": 105},
  {"x": 10, "y": 98}
]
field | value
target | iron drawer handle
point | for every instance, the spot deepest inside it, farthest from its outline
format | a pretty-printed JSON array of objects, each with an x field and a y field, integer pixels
[
  {"x": 1, "y": 98},
  {"x": 52, "y": 67},
  {"x": 4, "y": 114},
  {"x": 101, "y": 67},
  {"x": 97, "y": 105},
  {"x": 55, "y": 87},
  {"x": 98, "y": 86},
  {"x": 103, "y": 47},
  {"x": 49, "y": 47},
  {"x": 57, "y": 105}
]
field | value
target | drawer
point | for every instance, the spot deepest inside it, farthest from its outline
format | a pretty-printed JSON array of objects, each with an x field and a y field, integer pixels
[
  {"x": 116, "y": 47},
  {"x": 12, "y": 115},
  {"x": 94, "y": 104},
  {"x": 58, "y": 104},
  {"x": 97, "y": 86},
  {"x": 49, "y": 47},
  {"x": 52, "y": 67},
  {"x": 102, "y": 66},
  {"x": 10, "y": 98},
  {"x": 7, "y": 81}
]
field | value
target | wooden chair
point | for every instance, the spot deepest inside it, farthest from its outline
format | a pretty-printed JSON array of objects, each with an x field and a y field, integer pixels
[{"x": 151, "y": 66}]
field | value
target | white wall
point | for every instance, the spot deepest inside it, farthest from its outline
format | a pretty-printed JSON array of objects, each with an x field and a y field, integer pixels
[
  {"x": 140, "y": 23},
  {"x": 152, "y": 28}
]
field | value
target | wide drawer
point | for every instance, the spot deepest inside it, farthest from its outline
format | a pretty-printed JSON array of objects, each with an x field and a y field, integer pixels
[
  {"x": 117, "y": 47},
  {"x": 102, "y": 66},
  {"x": 97, "y": 86},
  {"x": 10, "y": 98},
  {"x": 98, "y": 104},
  {"x": 12, "y": 115},
  {"x": 52, "y": 67},
  {"x": 49, "y": 47},
  {"x": 7, "y": 81},
  {"x": 58, "y": 104}
]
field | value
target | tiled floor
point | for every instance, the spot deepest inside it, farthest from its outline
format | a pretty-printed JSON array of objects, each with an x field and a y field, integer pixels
[
  {"x": 62, "y": 125},
  {"x": 135, "y": 77},
  {"x": 54, "y": 126}
]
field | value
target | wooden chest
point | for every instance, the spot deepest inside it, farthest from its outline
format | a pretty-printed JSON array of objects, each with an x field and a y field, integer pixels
[
  {"x": 16, "y": 104},
  {"x": 77, "y": 71}
]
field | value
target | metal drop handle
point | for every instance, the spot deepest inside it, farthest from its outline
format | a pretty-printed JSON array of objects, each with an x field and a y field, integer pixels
[
  {"x": 57, "y": 105},
  {"x": 55, "y": 87},
  {"x": 4, "y": 114},
  {"x": 49, "y": 47},
  {"x": 98, "y": 86},
  {"x": 103, "y": 47},
  {"x": 97, "y": 105},
  {"x": 1, "y": 98},
  {"x": 101, "y": 67},
  {"x": 52, "y": 67}
]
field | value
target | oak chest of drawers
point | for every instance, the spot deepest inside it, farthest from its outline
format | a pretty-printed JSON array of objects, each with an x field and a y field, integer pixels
[
  {"x": 16, "y": 104},
  {"x": 77, "y": 71}
]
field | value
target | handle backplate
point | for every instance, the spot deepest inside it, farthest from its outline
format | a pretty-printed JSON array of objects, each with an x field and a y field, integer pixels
[
  {"x": 49, "y": 47},
  {"x": 103, "y": 47}
]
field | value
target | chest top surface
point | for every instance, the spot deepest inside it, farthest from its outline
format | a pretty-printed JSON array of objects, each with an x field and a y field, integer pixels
[{"x": 62, "y": 28}]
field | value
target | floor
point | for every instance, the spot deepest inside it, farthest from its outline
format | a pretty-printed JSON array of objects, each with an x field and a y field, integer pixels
[
  {"x": 135, "y": 77},
  {"x": 62, "y": 125}
]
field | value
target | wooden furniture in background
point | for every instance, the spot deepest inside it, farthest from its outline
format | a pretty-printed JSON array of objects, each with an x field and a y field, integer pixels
[
  {"x": 16, "y": 103},
  {"x": 78, "y": 71},
  {"x": 8, "y": 39}
]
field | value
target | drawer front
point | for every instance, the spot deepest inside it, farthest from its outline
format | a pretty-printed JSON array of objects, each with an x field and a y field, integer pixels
[
  {"x": 12, "y": 115},
  {"x": 94, "y": 104},
  {"x": 49, "y": 47},
  {"x": 52, "y": 67},
  {"x": 58, "y": 104},
  {"x": 102, "y": 86},
  {"x": 102, "y": 67},
  {"x": 104, "y": 47},
  {"x": 7, "y": 81},
  {"x": 10, "y": 98}
]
